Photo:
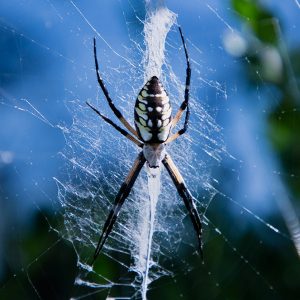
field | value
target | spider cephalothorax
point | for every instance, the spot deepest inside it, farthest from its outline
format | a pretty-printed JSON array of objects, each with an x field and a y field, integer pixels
[
  {"x": 153, "y": 123},
  {"x": 154, "y": 154}
]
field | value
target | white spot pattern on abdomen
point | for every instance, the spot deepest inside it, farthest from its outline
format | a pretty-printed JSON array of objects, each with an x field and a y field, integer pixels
[{"x": 153, "y": 105}]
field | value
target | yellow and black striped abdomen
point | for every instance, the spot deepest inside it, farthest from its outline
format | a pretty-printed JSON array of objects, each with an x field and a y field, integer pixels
[{"x": 152, "y": 113}]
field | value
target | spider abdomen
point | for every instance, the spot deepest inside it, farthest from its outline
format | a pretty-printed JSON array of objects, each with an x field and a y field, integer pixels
[{"x": 152, "y": 113}]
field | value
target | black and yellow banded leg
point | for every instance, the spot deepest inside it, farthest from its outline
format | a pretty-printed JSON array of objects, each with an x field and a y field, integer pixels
[
  {"x": 185, "y": 104},
  {"x": 109, "y": 100},
  {"x": 121, "y": 130},
  {"x": 185, "y": 194},
  {"x": 119, "y": 201},
  {"x": 181, "y": 131}
]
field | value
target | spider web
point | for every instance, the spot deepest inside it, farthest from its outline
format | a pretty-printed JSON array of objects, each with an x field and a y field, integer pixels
[
  {"x": 96, "y": 159},
  {"x": 145, "y": 228}
]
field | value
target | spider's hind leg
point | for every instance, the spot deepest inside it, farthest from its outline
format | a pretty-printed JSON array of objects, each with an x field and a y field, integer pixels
[
  {"x": 119, "y": 201},
  {"x": 186, "y": 196}
]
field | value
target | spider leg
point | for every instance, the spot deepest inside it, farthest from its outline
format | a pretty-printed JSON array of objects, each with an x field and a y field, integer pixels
[
  {"x": 185, "y": 104},
  {"x": 109, "y": 100},
  {"x": 119, "y": 200},
  {"x": 186, "y": 196},
  {"x": 121, "y": 130}
]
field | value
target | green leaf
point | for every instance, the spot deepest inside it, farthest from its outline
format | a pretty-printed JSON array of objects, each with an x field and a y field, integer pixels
[{"x": 261, "y": 21}]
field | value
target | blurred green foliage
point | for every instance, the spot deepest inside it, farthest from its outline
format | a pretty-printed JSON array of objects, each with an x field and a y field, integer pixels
[
  {"x": 284, "y": 120},
  {"x": 39, "y": 264},
  {"x": 260, "y": 20}
]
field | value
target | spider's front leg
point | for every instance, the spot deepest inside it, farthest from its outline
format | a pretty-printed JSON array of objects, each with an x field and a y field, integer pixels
[
  {"x": 117, "y": 113},
  {"x": 118, "y": 128},
  {"x": 186, "y": 196},
  {"x": 119, "y": 201},
  {"x": 185, "y": 104}
]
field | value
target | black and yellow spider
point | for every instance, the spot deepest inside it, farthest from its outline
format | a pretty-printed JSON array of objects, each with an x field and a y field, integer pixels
[{"x": 153, "y": 123}]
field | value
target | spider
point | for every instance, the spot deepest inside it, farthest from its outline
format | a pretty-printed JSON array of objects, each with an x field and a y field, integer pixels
[{"x": 153, "y": 124}]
